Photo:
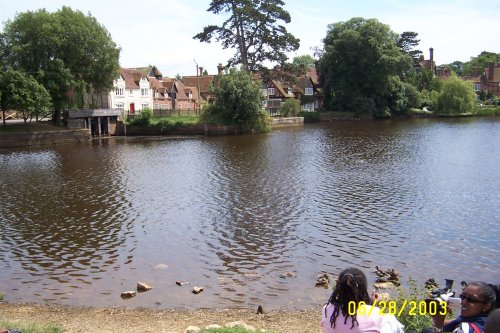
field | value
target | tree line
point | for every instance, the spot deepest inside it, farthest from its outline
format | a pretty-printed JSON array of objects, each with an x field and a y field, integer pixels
[{"x": 364, "y": 66}]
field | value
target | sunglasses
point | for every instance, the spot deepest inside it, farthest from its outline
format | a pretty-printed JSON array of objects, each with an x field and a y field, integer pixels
[{"x": 470, "y": 299}]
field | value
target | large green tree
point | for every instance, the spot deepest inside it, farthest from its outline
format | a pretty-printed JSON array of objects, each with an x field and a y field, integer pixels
[
  {"x": 254, "y": 29},
  {"x": 408, "y": 42},
  {"x": 23, "y": 93},
  {"x": 305, "y": 60},
  {"x": 65, "y": 50},
  {"x": 237, "y": 101},
  {"x": 361, "y": 65},
  {"x": 456, "y": 96}
]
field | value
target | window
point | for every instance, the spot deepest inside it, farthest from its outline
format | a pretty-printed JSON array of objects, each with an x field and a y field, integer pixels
[
  {"x": 270, "y": 91},
  {"x": 290, "y": 91},
  {"x": 308, "y": 91},
  {"x": 119, "y": 91},
  {"x": 477, "y": 87},
  {"x": 144, "y": 91},
  {"x": 130, "y": 92},
  {"x": 120, "y": 105},
  {"x": 145, "y": 106}
]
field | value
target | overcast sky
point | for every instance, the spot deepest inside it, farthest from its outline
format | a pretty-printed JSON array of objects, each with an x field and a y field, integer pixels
[{"x": 154, "y": 32}]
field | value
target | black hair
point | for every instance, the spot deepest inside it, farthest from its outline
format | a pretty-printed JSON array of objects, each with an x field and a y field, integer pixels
[
  {"x": 351, "y": 286},
  {"x": 489, "y": 291}
]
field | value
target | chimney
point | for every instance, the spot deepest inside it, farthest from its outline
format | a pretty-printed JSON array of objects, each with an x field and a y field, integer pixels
[
  {"x": 220, "y": 68},
  {"x": 491, "y": 71},
  {"x": 201, "y": 71},
  {"x": 433, "y": 69}
]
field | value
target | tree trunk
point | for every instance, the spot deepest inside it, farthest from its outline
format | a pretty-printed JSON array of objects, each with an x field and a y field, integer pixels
[
  {"x": 56, "y": 116},
  {"x": 240, "y": 36},
  {"x": 3, "y": 118}
]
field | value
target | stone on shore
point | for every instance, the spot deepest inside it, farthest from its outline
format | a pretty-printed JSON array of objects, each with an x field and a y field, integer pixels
[
  {"x": 142, "y": 286},
  {"x": 197, "y": 290},
  {"x": 192, "y": 329},
  {"x": 383, "y": 285},
  {"x": 213, "y": 327},
  {"x": 129, "y": 294}
]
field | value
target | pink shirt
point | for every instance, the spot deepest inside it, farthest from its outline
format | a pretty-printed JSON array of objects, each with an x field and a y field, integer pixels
[{"x": 373, "y": 323}]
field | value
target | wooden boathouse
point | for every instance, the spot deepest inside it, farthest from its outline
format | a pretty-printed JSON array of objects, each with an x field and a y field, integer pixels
[{"x": 100, "y": 122}]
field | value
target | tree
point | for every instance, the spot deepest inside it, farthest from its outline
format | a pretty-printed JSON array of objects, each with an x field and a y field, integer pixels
[
  {"x": 237, "y": 101},
  {"x": 360, "y": 64},
  {"x": 407, "y": 42},
  {"x": 64, "y": 51},
  {"x": 23, "y": 93},
  {"x": 457, "y": 67},
  {"x": 304, "y": 60},
  {"x": 290, "y": 108},
  {"x": 456, "y": 97},
  {"x": 477, "y": 64},
  {"x": 253, "y": 28}
]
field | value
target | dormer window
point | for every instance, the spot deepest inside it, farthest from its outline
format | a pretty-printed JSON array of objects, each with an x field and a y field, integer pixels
[
  {"x": 290, "y": 91},
  {"x": 270, "y": 91},
  {"x": 119, "y": 91},
  {"x": 308, "y": 91}
]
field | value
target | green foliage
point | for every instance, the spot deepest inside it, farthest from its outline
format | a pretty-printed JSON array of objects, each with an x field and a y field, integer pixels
[
  {"x": 2, "y": 296},
  {"x": 407, "y": 42},
  {"x": 479, "y": 63},
  {"x": 456, "y": 97},
  {"x": 30, "y": 328},
  {"x": 290, "y": 108},
  {"x": 404, "y": 96},
  {"x": 487, "y": 111},
  {"x": 304, "y": 60},
  {"x": 23, "y": 93},
  {"x": 143, "y": 119},
  {"x": 310, "y": 117},
  {"x": 165, "y": 125},
  {"x": 411, "y": 321},
  {"x": 252, "y": 28},
  {"x": 237, "y": 101},
  {"x": 359, "y": 64},
  {"x": 65, "y": 50}
]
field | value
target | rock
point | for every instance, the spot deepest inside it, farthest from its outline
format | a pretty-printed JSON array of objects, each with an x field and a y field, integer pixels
[
  {"x": 288, "y": 275},
  {"x": 180, "y": 283},
  {"x": 192, "y": 329},
  {"x": 128, "y": 294},
  {"x": 197, "y": 290},
  {"x": 239, "y": 324},
  {"x": 142, "y": 286},
  {"x": 213, "y": 327},
  {"x": 383, "y": 297},
  {"x": 383, "y": 285}
]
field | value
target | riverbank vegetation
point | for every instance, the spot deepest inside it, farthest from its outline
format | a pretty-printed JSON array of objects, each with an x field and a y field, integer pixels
[{"x": 26, "y": 327}]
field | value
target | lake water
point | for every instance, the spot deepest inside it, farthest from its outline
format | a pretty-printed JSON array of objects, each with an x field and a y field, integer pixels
[{"x": 80, "y": 223}]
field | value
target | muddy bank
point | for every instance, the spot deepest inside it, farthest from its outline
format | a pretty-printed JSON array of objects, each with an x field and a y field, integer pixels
[{"x": 108, "y": 320}]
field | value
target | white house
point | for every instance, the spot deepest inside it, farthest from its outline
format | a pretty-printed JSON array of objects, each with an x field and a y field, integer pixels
[{"x": 132, "y": 91}]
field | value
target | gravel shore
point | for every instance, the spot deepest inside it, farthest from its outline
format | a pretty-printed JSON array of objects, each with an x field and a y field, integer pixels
[{"x": 114, "y": 320}]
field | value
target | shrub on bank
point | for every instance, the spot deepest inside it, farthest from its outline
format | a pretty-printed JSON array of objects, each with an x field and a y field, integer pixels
[{"x": 310, "y": 117}]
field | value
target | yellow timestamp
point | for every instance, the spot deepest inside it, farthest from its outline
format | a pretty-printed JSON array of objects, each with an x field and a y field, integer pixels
[{"x": 413, "y": 308}]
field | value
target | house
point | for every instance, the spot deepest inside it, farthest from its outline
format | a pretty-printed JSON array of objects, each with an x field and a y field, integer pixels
[
  {"x": 180, "y": 96},
  {"x": 200, "y": 84},
  {"x": 428, "y": 64},
  {"x": 490, "y": 80},
  {"x": 305, "y": 89},
  {"x": 132, "y": 91}
]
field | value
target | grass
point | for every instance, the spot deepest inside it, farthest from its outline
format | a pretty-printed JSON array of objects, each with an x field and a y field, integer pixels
[
  {"x": 30, "y": 328},
  {"x": 487, "y": 111},
  {"x": 32, "y": 127},
  {"x": 190, "y": 120}
]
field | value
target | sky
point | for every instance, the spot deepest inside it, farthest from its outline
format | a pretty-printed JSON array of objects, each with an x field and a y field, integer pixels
[{"x": 160, "y": 33}]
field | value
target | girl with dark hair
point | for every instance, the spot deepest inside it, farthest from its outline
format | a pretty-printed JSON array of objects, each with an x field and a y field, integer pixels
[
  {"x": 343, "y": 314},
  {"x": 478, "y": 299}
]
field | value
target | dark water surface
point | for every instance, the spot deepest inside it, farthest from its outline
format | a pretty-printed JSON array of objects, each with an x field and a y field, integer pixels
[{"x": 81, "y": 223}]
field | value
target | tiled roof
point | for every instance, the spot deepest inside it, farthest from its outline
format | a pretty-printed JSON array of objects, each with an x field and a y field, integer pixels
[
  {"x": 131, "y": 77},
  {"x": 205, "y": 81}
]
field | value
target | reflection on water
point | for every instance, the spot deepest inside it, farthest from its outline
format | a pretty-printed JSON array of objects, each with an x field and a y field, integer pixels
[{"x": 81, "y": 223}]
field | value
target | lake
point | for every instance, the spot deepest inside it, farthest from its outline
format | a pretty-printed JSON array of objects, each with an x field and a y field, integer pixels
[{"x": 80, "y": 223}]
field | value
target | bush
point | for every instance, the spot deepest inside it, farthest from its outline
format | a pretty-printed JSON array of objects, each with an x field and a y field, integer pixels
[
  {"x": 411, "y": 321},
  {"x": 456, "y": 97},
  {"x": 310, "y": 117},
  {"x": 143, "y": 119},
  {"x": 290, "y": 108}
]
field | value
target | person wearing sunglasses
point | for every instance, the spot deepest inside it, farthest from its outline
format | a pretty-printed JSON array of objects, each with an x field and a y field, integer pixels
[{"x": 478, "y": 299}]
